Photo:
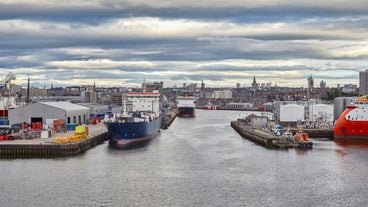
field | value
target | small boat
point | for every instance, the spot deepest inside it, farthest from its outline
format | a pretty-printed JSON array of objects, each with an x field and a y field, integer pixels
[
  {"x": 302, "y": 139},
  {"x": 275, "y": 128},
  {"x": 288, "y": 133},
  {"x": 277, "y": 132}
]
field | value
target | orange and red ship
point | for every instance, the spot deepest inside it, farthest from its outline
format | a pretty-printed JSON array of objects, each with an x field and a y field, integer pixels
[
  {"x": 352, "y": 125},
  {"x": 210, "y": 106},
  {"x": 302, "y": 139}
]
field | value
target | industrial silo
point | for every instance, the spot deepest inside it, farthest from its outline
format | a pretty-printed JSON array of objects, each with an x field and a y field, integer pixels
[
  {"x": 340, "y": 104},
  {"x": 291, "y": 113},
  {"x": 321, "y": 112}
]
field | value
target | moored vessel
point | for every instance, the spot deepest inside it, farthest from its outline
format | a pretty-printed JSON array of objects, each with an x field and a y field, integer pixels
[
  {"x": 186, "y": 106},
  {"x": 211, "y": 106},
  {"x": 302, "y": 139},
  {"x": 136, "y": 127},
  {"x": 352, "y": 125}
]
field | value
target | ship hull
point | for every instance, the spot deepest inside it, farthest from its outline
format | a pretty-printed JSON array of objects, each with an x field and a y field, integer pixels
[
  {"x": 351, "y": 130},
  {"x": 351, "y": 137},
  {"x": 354, "y": 131},
  {"x": 186, "y": 112},
  {"x": 129, "y": 134},
  {"x": 132, "y": 143},
  {"x": 213, "y": 107}
]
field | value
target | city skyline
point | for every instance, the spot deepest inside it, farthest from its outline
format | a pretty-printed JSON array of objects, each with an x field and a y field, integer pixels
[{"x": 122, "y": 43}]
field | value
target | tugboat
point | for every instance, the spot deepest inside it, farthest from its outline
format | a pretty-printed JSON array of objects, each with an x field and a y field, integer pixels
[
  {"x": 302, "y": 139},
  {"x": 138, "y": 126}
]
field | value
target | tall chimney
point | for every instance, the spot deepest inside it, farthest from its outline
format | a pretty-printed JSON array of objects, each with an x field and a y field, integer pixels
[{"x": 27, "y": 101}]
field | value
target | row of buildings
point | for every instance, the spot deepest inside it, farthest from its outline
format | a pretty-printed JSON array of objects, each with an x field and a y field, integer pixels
[
  {"x": 257, "y": 94},
  {"x": 72, "y": 105},
  {"x": 92, "y": 100}
]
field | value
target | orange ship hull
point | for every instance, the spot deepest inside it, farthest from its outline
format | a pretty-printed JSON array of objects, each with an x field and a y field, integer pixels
[{"x": 350, "y": 130}]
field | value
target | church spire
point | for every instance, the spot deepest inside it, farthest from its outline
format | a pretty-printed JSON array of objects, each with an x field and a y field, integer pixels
[{"x": 254, "y": 84}]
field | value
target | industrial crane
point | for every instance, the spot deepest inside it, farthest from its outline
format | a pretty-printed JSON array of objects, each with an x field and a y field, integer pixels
[{"x": 7, "y": 83}]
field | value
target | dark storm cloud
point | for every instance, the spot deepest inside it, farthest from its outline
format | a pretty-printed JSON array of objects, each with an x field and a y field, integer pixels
[
  {"x": 193, "y": 40},
  {"x": 96, "y": 14}
]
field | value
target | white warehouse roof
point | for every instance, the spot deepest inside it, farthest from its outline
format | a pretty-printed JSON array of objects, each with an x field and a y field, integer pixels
[{"x": 67, "y": 106}]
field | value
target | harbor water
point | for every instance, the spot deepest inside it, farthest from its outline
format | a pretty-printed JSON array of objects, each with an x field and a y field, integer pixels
[{"x": 197, "y": 161}]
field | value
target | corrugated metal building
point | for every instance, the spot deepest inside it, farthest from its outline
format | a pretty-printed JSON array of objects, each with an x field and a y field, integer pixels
[
  {"x": 95, "y": 109},
  {"x": 41, "y": 111}
]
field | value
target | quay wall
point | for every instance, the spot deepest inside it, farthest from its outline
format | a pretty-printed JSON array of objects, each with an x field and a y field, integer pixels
[
  {"x": 253, "y": 136},
  {"x": 50, "y": 149},
  {"x": 316, "y": 133},
  {"x": 169, "y": 119}
]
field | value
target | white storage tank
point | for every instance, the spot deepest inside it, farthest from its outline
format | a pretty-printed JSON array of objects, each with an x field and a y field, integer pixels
[
  {"x": 291, "y": 113},
  {"x": 321, "y": 112}
]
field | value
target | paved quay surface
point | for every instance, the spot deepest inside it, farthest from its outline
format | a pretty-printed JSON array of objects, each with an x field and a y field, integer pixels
[{"x": 93, "y": 130}]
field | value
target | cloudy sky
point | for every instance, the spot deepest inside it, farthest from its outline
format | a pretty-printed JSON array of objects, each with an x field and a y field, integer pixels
[{"x": 121, "y": 43}]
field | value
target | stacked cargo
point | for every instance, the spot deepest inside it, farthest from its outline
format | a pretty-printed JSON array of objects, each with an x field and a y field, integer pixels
[
  {"x": 80, "y": 133},
  {"x": 36, "y": 128},
  {"x": 59, "y": 125},
  {"x": 4, "y": 117},
  {"x": 7, "y": 133}
]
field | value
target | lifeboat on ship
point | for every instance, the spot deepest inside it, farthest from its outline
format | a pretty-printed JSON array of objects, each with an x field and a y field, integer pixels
[{"x": 352, "y": 125}]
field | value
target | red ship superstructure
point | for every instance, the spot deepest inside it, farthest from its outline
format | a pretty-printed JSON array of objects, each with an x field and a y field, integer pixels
[{"x": 352, "y": 125}]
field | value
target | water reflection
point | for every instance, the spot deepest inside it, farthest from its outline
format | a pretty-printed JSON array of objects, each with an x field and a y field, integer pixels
[{"x": 196, "y": 162}]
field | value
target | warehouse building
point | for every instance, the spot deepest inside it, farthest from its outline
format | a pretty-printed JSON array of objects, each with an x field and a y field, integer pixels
[
  {"x": 43, "y": 111},
  {"x": 96, "y": 109}
]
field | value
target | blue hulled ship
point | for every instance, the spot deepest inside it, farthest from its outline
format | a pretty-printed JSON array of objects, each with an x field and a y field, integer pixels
[{"x": 137, "y": 126}]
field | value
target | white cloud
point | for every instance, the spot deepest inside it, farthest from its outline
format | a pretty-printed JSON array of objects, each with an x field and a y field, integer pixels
[
  {"x": 134, "y": 45},
  {"x": 98, "y": 64}
]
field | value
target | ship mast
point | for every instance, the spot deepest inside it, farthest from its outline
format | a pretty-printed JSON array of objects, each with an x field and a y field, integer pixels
[
  {"x": 124, "y": 104},
  {"x": 124, "y": 107}
]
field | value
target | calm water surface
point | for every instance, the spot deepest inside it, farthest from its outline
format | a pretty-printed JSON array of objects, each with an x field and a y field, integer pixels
[{"x": 196, "y": 162}]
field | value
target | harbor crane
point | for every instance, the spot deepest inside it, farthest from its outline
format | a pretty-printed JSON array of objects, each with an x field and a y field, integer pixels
[{"x": 7, "y": 90}]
